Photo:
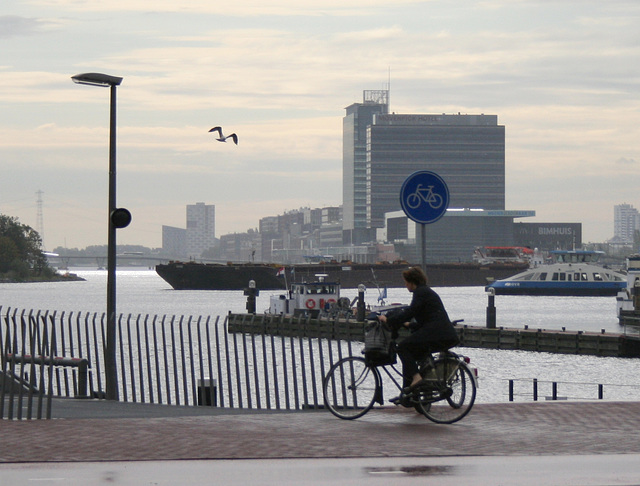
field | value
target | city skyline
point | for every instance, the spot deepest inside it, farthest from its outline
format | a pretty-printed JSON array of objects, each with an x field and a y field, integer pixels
[{"x": 558, "y": 75}]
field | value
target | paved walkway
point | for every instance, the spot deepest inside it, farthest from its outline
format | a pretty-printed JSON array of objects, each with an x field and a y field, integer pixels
[{"x": 106, "y": 431}]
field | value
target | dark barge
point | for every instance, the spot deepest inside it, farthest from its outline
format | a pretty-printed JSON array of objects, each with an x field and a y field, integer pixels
[{"x": 235, "y": 276}]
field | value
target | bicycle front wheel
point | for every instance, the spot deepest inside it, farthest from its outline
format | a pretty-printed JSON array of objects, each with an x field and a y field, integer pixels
[
  {"x": 350, "y": 388},
  {"x": 455, "y": 400}
]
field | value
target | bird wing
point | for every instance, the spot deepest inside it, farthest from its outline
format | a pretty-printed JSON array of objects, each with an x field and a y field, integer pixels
[
  {"x": 217, "y": 129},
  {"x": 234, "y": 137}
]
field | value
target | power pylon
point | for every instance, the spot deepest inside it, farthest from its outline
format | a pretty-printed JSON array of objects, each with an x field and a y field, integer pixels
[{"x": 40, "y": 218}]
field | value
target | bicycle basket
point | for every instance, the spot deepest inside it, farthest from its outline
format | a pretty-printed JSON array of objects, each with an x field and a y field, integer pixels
[{"x": 379, "y": 346}]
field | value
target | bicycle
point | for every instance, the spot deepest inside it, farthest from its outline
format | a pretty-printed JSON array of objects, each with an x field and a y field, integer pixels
[
  {"x": 427, "y": 195},
  {"x": 352, "y": 387}
]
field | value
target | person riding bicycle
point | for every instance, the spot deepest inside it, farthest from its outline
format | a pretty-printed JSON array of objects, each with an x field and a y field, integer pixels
[{"x": 430, "y": 326}]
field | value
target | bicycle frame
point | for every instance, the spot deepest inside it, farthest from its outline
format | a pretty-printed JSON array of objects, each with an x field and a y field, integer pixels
[{"x": 424, "y": 365}]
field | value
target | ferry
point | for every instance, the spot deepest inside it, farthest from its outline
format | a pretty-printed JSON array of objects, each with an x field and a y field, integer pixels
[
  {"x": 570, "y": 273},
  {"x": 628, "y": 298}
]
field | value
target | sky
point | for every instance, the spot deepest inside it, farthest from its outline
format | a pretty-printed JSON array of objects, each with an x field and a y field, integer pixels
[{"x": 562, "y": 76}]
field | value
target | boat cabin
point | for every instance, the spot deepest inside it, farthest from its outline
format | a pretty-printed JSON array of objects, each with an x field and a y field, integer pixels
[
  {"x": 308, "y": 298},
  {"x": 576, "y": 256}
]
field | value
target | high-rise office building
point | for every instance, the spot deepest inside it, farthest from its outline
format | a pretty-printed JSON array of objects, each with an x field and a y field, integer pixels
[
  {"x": 626, "y": 220},
  {"x": 380, "y": 150},
  {"x": 467, "y": 151},
  {"x": 201, "y": 224},
  {"x": 358, "y": 118}
]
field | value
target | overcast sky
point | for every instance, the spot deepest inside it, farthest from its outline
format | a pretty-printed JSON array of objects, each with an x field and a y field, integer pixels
[{"x": 562, "y": 76}]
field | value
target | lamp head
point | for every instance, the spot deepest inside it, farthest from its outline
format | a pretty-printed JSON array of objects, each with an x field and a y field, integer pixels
[{"x": 96, "y": 79}]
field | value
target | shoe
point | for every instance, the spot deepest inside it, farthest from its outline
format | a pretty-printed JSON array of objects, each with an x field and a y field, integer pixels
[{"x": 402, "y": 400}]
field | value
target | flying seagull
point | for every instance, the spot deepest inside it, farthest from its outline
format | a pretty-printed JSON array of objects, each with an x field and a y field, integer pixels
[{"x": 223, "y": 138}]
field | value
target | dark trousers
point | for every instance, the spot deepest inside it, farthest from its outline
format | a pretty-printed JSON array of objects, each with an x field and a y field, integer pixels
[{"x": 415, "y": 347}]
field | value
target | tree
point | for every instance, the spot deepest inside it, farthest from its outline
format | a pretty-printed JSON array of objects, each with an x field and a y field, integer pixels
[{"x": 20, "y": 249}]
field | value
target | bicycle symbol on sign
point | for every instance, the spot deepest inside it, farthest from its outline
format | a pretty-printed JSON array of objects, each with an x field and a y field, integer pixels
[{"x": 427, "y": 195}]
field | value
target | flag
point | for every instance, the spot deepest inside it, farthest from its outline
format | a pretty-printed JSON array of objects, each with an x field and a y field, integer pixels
[{"x": 280, "y": 272}]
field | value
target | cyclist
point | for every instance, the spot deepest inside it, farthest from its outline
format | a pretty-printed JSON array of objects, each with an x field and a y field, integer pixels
[{"x": 430, "y": 326}]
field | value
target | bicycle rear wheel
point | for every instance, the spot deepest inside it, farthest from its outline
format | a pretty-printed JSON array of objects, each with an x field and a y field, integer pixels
[
  {"x": 350, "y": 388},
  {"x": 452, "y": 403}
]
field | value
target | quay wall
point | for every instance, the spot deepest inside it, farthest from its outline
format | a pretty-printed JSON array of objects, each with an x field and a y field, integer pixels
[{"x": 563, "y": 342}]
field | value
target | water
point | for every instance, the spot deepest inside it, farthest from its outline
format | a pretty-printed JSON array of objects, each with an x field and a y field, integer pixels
[{"x": 141, "y": 291}]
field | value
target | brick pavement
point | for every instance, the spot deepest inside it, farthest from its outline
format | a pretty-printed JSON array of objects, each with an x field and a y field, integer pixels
[{"x": 537, "y": 428}]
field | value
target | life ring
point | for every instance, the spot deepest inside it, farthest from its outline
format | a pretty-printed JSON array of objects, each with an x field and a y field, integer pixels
[{"x": 310, "y": 303}]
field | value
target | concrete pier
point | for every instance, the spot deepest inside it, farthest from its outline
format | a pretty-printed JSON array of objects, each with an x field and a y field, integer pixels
[{"x": 551, "y": 341}]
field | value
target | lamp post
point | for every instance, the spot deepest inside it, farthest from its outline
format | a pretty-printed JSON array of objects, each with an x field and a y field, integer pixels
[{"x": 104, "y": 80}]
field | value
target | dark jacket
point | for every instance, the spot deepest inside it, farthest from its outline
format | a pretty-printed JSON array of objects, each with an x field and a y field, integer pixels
[{"x": 429, "y": 313}]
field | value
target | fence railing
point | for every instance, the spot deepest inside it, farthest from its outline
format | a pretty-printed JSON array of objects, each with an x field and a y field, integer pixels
[
  {"x": 534, "y": 389},
  {"x": 173, "y": 360}
]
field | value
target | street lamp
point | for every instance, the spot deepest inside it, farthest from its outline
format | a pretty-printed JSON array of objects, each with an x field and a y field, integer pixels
[{"x": 104, "y": 80}]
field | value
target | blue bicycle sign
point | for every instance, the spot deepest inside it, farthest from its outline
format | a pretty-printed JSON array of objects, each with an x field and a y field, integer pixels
[{"x": 424, "y": 197}]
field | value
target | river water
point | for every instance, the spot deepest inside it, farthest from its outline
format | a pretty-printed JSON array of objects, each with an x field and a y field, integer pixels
[{"x": 142, "y": 291}]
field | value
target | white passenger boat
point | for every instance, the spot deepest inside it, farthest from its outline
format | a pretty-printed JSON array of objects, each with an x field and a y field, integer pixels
[{"x": 571, "y": 273}]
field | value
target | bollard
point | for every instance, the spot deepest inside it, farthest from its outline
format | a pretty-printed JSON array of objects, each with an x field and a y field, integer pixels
[
  {"x": 491, "y": 309},
  {"x": 207, "y": 393},
  {"x": 360, "y": 305},
  {"x": 251, "y": 292}
]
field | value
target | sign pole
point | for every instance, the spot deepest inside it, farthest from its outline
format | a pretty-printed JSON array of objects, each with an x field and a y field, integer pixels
[{"x": 424, "y": 246}]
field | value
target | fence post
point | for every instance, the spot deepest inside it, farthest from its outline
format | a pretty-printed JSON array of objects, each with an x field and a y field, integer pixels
[
  {"x": 535, "y": 389},
  {"x": 83, "y": 378},
  {"x": 511, "y": 390}
]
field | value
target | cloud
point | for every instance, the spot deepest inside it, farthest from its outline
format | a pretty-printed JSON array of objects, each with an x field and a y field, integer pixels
[
  {"x": 14, "y": 26},
  {"x": 237, "y": 8},
  {"x": 625, "y": 161}
]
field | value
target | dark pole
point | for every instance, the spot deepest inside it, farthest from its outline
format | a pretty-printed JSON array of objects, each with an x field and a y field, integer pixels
[
  {"x": 423, "y": 247},
  {"x": 123, "y": 218},
  {"x": 360, "y": 307},
  {"x": 491, "y": 309},
  {"x": 110, "y": 350}
]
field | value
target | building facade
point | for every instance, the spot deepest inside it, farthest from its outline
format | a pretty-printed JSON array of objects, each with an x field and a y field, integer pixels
[
  {"x": 467, "y": 151},
  {"x": 626, "y": 221},
  {"x": 201, "y": 229},
  {"x": 174, "y": 242},
  {"x": 359, "y": 116},
  {"x": 548, "y": 236},
  {"x": 452, "y": 238}
]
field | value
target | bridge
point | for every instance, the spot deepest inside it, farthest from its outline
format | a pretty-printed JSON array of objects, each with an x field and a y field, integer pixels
[{"x": 128, "y": 259}]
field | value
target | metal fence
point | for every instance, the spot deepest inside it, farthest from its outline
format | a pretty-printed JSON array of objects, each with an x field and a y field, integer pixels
[
  {"x": 173, "y": 360},
  {"x": 533, "y": 389}
]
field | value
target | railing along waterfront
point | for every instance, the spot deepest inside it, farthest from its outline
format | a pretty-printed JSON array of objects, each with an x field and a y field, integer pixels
[
  {"x": 535, "y": 389},
  {"x": 257, "y": 361},
  {"x": 172, "y": 360},
  {"x": 26, "y": 377}
]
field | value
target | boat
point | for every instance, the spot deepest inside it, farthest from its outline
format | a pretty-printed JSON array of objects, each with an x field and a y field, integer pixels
[
  {"x": 628, "y": 298},
  {"x": 311, "y": 299},
  {"x": 486, "y": 255},
  {"x": 236, "y": 276},
  {"x": 570, "y": 273}
]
